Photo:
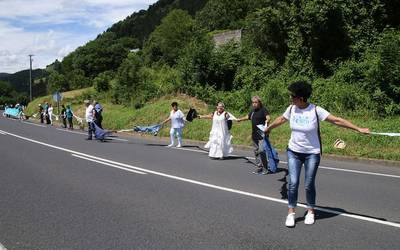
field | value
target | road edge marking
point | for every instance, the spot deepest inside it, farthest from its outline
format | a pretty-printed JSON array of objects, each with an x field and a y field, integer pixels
[{"x": 358, "y": 217}]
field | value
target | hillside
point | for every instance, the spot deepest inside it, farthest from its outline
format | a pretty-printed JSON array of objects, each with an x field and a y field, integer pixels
[
  {"x": 20, "y": 80},
  {"x": 139, "y": 25}
]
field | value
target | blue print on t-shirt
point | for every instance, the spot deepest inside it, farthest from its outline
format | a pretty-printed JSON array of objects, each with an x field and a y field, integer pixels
[{"x": 301, "y": 121}]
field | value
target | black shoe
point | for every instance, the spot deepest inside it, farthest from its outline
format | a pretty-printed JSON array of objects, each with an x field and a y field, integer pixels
[
  {"x": 88, "y": 139},
  {"x": 267, "y": 172},
  {"x": 258, "y": 171}
]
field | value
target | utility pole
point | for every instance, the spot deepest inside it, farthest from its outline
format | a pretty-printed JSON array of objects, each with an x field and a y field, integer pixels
[{"x": 30, "y": 77}]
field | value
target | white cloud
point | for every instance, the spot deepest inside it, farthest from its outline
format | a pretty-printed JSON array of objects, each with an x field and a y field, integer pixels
[
  {"x": 50, "y": 29},
  {"x": 45, "y": 45}
]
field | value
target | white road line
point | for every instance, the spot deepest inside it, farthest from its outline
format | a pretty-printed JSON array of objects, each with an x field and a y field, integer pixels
[
  {"x": 360, "y": 172},
  {"x": 354, "y": 171},
  {"x": 108, "y": 164},
  {"x": 1, "y": 132},
  {"x": 323, "y": 167},
  {"x": 2, "y": 247},
  {"x": 117, "y": 139},
  {"x": 204, "y": 184},
  {"x": 72, "y": 132},
  {"x": 34, "y": 124},
  {"x": 81, "y": 133},
  {"x": 192, "y": 150}
]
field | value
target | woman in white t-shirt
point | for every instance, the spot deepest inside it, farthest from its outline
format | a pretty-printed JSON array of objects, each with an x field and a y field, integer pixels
[
  {"x": 177, "y": 123},
  {"x": 305, "y": 145}
]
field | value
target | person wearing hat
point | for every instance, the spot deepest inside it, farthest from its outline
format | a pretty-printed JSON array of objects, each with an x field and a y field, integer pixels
[
  {"x": 219, "y": 143},
  {"x": 89, "y": 116},
  {"x": 305, "y": 148},
  {"x": 259, "y": 115},
  {"x": 177, "y": 119}
]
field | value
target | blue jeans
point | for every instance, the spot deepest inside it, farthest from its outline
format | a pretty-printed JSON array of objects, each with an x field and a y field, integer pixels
[{"x": 295, "y": 162}]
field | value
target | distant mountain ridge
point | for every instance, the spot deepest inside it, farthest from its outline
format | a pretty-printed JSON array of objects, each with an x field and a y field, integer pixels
[{"x": 20, "y": 80}]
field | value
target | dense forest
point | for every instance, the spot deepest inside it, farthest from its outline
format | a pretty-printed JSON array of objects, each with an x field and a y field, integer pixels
[
  {"x": 348, "y": 49},
  {"x": 15, "y": 87}
]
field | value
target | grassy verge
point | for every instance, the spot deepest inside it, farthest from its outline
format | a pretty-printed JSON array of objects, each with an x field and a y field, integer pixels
[{"x": 120, "y": 117}]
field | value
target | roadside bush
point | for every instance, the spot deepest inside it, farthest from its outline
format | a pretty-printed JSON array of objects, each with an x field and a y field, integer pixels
[{"x": 102, "y": 82}]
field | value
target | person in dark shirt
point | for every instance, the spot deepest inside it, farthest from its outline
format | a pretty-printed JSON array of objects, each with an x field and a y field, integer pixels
[
  {"x": 259, "y": 115},
  {"x": 41, "y": 113},
  {"x": 98, "y": 116},
  {"x": 64, "y": 116}
]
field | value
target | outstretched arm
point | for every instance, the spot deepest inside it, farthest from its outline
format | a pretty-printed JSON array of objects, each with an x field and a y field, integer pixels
[
  {"x": 276, "y": 123},
  {"x": 346, "y": 124},
  {"x": 166, "y": 120},
  {"x": 244, "y": 118},
  {"x": 206, "y": 116}
]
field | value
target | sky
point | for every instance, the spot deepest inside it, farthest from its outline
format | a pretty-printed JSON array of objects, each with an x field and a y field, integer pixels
[{"x": 51, "y": 29}]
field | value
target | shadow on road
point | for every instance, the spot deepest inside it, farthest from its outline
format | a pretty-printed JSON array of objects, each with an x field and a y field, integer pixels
[
  {"x": 320, "y": 215},
  {"x": 283, "y": 191}
]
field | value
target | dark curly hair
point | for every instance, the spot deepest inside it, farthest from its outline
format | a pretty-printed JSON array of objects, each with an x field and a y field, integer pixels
[
  {"x": 301, "y": 89},
  {"x": 174, "y": 104}
]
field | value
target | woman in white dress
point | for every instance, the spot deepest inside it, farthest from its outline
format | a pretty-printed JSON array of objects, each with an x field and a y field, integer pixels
[
  {"x": 219, "y": 143},
  {"x": 50, "y": 111}
]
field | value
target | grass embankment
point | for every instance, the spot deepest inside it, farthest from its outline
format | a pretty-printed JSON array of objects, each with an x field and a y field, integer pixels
[{"x": 120, "y": 117}]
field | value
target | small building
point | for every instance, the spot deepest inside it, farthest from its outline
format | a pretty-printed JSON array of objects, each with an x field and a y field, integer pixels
[{"x": 227, "y": 36}]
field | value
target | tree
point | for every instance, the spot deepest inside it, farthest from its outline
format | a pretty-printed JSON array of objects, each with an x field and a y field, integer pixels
[
  {"x": 225, "y": 14},
  {"x": 105, "y": 53},
  {"x": 5, "y": 88},
  {"x": 194, "y": 63},
  {"x": 169, "y": 38},
  {"x": 268, "y": 28},
  {"x": 128, "y": 80},
  {"x": 57, "y": 82},
  {"x": 76, "y": 79},
  {"x": 102, "y": 82}
]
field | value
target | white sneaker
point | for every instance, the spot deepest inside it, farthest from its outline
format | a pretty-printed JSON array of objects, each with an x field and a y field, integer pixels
[
  {"x": 179, "y": 146},
  {"x": 310, "y": 219},
  {"x": 170, "y": 145},
  {"x": 290, "y": 220}
]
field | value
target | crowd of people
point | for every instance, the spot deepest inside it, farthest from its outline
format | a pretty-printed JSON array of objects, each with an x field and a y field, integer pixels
[
  {"x": 46, "y": 113},
  {"x": 19, "y": 108},
  {"x": 93, "y": 114},
  {"x": 303, "y": 151}
]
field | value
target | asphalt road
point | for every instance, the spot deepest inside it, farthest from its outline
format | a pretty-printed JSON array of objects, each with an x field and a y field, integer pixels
[{"x": 59, "y": 191}]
